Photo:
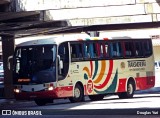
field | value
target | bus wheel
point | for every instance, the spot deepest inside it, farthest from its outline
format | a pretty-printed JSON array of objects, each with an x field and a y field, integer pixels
[
  {"x": 78, "y": 94},
  {"x": 130, "y": 91},
  {"x": 96, "y": 97}
]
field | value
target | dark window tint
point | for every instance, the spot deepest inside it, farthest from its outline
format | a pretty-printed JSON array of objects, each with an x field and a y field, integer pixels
[
  {"x": 116, "y": 49},
  {"x": 147, "y": 48},
  {"x": 76, "y": 52},
  {"x": 138, "y": 49},
  {"x": 129, "y": 49}
]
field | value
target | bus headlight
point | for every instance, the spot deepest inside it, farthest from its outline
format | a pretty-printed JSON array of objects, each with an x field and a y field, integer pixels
[
  {"x": 50, "y": 88},
  {"x": 17, "y": 90}
]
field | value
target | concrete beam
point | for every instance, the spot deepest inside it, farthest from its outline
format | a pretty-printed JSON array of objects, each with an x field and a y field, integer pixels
[
  {"x": 113, "y": 20},
  {"x": 27, "y": 5},
  {"x": 93, "y": 12}
]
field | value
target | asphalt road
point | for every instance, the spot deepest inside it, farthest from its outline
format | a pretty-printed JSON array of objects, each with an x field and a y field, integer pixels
[{"x": 142, "y": 105}]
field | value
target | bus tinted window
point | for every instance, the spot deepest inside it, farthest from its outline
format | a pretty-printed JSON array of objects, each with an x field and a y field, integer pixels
[
  {"x": 91, "y": 50},
  {"x": 95, "y": 50},
  {"x": 147, "y": 48},
  {"x": 138, "y": 49},
  {"x": 76, "y": 52},
  {"x": 116, "y": 49},
  {"x": 129, "y": 49},
  {"x": 86, "y": 51},
  {"x": 102, "y": 50},
  {"x": 105, "y": 50}
]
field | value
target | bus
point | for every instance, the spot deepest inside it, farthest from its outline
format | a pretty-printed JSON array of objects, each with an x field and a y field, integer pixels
[{"x": 48, "y": 69}]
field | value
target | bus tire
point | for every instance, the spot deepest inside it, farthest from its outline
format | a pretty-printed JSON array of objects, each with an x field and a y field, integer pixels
[
  {"x": 78, "y": 94},
  {"x": 96, "y": 97},
  {"x": 130, "y": 91}
]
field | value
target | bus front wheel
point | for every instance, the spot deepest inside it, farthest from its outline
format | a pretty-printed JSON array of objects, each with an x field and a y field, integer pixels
[
  {"x": 78, "y": 94},
  {"x": 130, "y": 91}
]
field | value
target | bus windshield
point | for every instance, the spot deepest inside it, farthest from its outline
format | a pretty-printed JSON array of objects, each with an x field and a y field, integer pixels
[{"x": 35, "y": 64}]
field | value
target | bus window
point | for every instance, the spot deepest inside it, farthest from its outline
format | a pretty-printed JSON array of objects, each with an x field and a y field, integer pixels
[
  {"x": 116, "y": 49},
  {"x": 119, "y": 49},
  {"x": 105, "y": 50},
  {"x": 98, "y": 49},
  {"x": 138, "y": 49},
  {"x": 76, "y": 52},
  {"x": 147, "y": 48},
  {"x": 47, "y": 57},
  {"x": 115, "y": 52},
  {"x": 86, "y": 51},
  {"x": 94, "y": 51},
  {"x": 129, "y": 49},
  {"x": 91, "y": 50}
]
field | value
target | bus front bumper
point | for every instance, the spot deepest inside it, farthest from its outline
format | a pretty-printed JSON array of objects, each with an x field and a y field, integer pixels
[{"x": 35, "y": 95}]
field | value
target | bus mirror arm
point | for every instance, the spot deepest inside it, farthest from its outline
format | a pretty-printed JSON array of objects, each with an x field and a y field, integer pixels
[{"x": 8, "y": 62}]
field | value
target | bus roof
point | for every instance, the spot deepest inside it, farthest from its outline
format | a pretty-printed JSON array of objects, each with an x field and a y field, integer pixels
[
  {"x": 60, "y": 39},
  {"x": 37, "y": 42}
]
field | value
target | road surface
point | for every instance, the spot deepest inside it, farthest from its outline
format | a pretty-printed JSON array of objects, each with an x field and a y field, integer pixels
[{"x": 140, "y": 105}]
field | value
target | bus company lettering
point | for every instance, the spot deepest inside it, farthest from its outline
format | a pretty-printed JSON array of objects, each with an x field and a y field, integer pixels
[{"x": 136, "y": 63}]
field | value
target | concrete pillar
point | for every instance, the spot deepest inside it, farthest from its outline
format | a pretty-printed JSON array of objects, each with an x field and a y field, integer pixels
[{"x": 8, "y": 43}]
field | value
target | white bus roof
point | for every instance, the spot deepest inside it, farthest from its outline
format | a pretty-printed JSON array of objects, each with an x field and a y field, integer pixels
[
  {"x": 38, "y": 42},
  {"x": 60, "y": 39}
]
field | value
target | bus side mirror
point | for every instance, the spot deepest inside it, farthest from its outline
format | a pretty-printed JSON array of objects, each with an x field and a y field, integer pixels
[
  {"x": 8, "y": 62},
  {"x": 60, "y": 64}
]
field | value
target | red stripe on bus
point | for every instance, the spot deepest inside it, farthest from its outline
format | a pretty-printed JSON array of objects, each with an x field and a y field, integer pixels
[
  {"x": 122, "y": 85},
  {"x": 64, "y": 91},
  {"x": 59, "y": 92},
  {"x": 145, "y": 82}
]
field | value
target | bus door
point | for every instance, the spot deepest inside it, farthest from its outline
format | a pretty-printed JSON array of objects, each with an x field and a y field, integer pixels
[
  {"x": 63, "y": 52},
  {"x": 76, "y": 61}
]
